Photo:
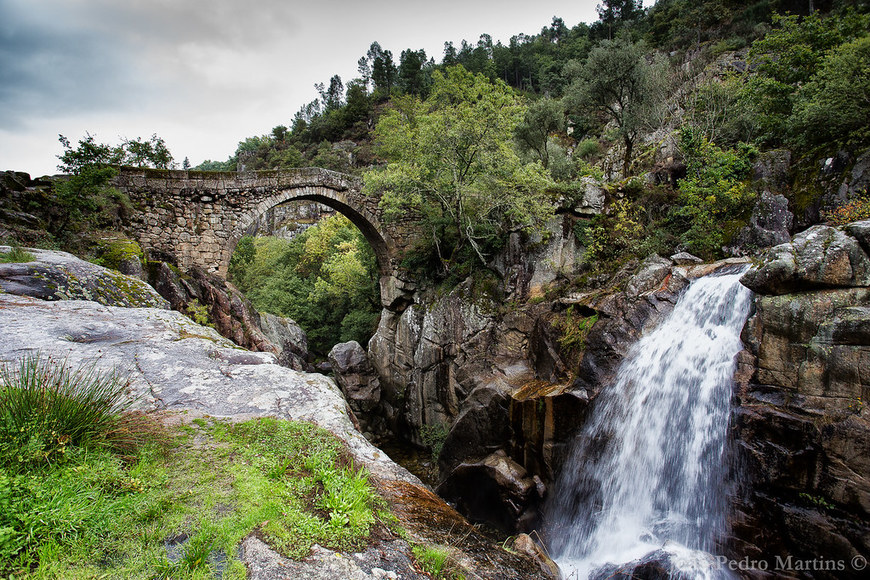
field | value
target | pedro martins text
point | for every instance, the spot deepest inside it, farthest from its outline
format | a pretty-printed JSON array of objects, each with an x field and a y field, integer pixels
[{"x": 790, "y": 563}]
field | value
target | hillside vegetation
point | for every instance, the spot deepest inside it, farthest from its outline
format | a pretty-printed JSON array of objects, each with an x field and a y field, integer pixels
[
  {"x": 666, "y": 109},
  {"x": 495, "y": 137}
]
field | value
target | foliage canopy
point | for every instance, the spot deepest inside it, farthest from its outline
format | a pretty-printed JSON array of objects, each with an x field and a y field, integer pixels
[{"x": 450, "y": 161}]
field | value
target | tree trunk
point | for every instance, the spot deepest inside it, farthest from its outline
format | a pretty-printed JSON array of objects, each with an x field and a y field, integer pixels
[{"x": 626, "y": 160}]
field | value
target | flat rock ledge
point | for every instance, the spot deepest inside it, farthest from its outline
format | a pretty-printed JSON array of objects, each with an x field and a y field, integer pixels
[{"x": 175, "y": 364}]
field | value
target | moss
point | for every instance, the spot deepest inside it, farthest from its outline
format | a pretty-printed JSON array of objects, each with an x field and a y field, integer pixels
[{"x": 117, "y": 251}]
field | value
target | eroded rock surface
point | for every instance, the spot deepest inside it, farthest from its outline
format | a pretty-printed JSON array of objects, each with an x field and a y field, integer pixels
[
  {"x": 802, "y": 426},
  {"x": 820, "y": 257},
  {"x": 61, "y": 276}
]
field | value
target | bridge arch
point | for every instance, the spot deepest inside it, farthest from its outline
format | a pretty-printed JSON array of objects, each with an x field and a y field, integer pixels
[
  {"x": 199, "y": 216},
  {"x": 369, "y": 225}
]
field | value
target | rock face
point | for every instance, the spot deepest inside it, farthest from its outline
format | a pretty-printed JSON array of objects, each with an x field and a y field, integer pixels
[
  {"x": 514, "y": 384},
  {"x": 356, "y": 376},
  {"x": 200, "y": 293},
  {"x": 802, "y": 427},
  {"x": 820, "y": 257},
  {"x": 770, "y": 225},
  {"x": 495, "y": 489},
  {"x": 175, "y": 364},
  {"x": 289, "y": 220},
  {"x": 62, "y": 276}
]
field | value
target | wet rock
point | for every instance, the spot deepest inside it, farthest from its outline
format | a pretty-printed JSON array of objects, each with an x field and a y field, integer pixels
[
  {"x": 653, "y": 270},
  {"x": 482, "y": 426},
  {"x": 821, "y": 256},
  {"x": 355, "y": 375},
  {"x": 524, "y": 544},
  {"x": 61, "y": 276},
  {"x": 661, "y": 565},
  {"x": 495, "y": 490},
  {"x": 544, "y": 417},
  {"x": 802, "y": 429}
]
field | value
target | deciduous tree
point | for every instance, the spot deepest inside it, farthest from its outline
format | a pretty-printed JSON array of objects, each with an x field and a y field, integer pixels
[{"x": 450, "y": 162}]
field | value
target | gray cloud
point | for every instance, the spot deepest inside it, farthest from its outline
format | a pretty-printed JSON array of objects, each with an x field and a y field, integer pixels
[
  {"x": 205, "y": 74},
  {"x": 48, "y": 69}
]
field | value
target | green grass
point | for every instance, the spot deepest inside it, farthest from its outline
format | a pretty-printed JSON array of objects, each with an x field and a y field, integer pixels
[
  {"x": 437, "y": 563},
  {"x": 97, "y": 515},
  {"x": 16, "y": 254},
  {"x": 48, "y": 406},
  {"x": 89, "y": 490}
]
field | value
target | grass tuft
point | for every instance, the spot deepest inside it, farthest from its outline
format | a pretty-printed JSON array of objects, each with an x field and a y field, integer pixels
[
  {"x": 48, "y": 406},
  {"x": 16, "y": 254}
]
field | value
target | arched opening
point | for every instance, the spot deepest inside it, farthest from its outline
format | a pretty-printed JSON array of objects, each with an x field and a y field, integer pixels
[{"x": 322, "y": 269}]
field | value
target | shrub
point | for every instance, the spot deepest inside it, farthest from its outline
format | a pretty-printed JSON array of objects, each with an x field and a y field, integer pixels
[
  {"x": 47, "y": 406},
  {"x": 855, "y": 210}
]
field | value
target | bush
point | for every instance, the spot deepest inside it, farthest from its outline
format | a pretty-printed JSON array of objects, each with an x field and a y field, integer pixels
[
  {"x": 855, "y": 210},
  {"x": 713, "y": 197},
  {"x": 46, "y": 407}
]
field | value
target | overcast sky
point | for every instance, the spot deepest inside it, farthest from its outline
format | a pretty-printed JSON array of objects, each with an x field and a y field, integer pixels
[{"x": 205, "y": 74}]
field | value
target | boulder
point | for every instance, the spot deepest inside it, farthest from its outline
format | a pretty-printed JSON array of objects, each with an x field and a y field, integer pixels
[
  {"x": 61, "y": 276},
  {"x": 591, "y": 199},
  {"x": 771, "y": 170},
  {"x": 686, "y": 259},
  {"x": 802, "y": 429},
  {"x": 289, "y": 340},
  {"x": 652, "y": 272},
  {"x": 355, "y": 375},
  {"x": 769, "y": 225},
  {"x": 482, "y": 426},
  {"x": 175, "y": 364},
  {"x": 819, "y": 257},
  {"x": 495, "y": 490},
  {"x": 861, "y": 232},
  {"x": 858, "y": 182},
  {"x": 202, "y": 294}
]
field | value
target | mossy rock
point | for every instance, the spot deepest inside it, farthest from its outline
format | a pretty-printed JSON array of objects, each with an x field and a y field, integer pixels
[{"x": 117, "y": 251}]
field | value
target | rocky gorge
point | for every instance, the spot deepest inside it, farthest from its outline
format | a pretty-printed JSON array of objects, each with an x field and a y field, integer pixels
[{"x": 499, "y": 378}]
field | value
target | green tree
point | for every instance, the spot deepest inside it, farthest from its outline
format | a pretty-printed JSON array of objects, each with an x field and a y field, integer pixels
[
  {"x": 412, "y": 75},
  {"x": 834, "y": 106},
  {"x": 325, "y": 279},
  {"x": 786, "y": 59},
  {"x": 617, "y": 81},
  {"x": 450, "y": 163},
  {"x": 615, "y": 12},
  {"x": 714, "y": 197},
  {"x": 543, "y": 118},
  {"x": 140, "y": 153},
  {"x": 90, "y": 170}
]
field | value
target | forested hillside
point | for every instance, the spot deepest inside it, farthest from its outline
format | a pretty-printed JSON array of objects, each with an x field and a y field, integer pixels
[{"x": 665, "y": 109}]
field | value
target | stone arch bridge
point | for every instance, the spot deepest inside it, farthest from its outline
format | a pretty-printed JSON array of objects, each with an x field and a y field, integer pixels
[{"x": 199, "y": 216}]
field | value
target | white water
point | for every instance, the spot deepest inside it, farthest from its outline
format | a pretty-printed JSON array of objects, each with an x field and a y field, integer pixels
[{"x": 649, "y": 471}]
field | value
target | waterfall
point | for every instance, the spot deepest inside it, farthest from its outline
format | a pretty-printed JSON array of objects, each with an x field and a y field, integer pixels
[{"x": 648, "y": 474}]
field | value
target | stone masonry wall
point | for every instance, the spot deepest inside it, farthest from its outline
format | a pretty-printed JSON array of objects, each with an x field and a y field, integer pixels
[{"x": 198, "y": 216}]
